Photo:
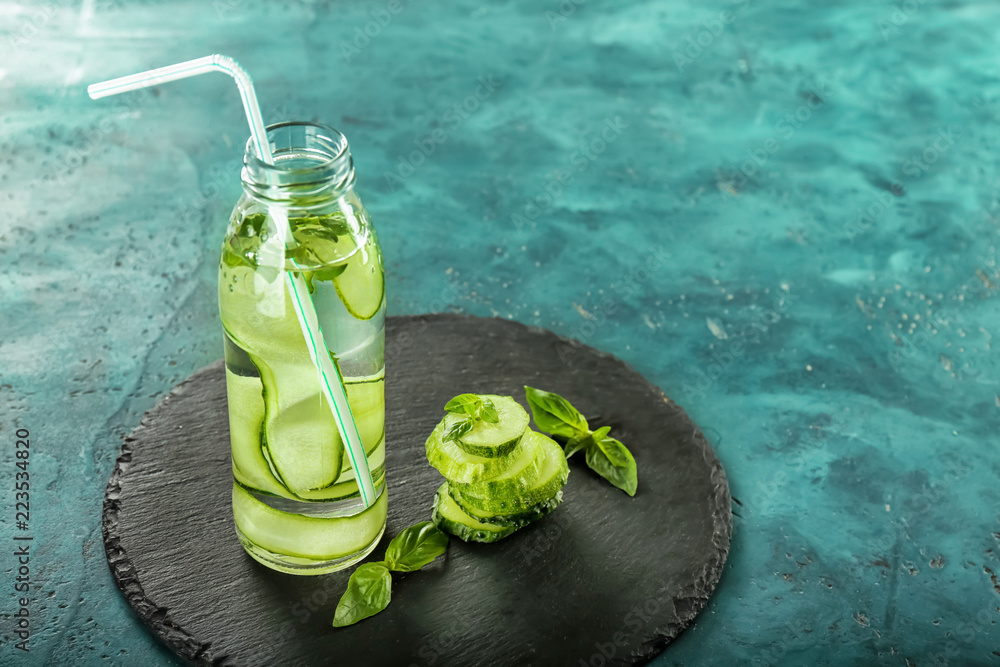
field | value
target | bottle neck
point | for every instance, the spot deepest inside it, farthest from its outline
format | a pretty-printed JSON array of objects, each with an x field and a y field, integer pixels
[{"x": 312, "y": 167}]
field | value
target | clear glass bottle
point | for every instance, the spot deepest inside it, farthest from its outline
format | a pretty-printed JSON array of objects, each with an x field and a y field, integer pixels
[{"x": 295, "y": 499}]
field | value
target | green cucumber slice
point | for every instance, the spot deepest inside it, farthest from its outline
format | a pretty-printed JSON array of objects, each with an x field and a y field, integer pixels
[
  {"x": 552, "y": 475},
  {"x": 367, "y": 399},
  {"x": 361, "y": 284},
  {"x": 448, "y": 516},
  {"x": 520, "y": 475},
  {"x": 517, "y": 519},
  {"x": 457, "y": 465},
  {"x": 301, "y": 439},
  {"x": 492, "y": 440},
  {"x": 246, "y": 410},
  {"x": 305, "y": 536}
]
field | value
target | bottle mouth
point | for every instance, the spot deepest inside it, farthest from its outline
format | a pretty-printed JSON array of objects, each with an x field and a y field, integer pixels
[{"x": 310, "y": 159}]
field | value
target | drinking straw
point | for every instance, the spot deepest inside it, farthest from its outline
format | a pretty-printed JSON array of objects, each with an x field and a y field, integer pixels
[{"x": 331, "y": 382}]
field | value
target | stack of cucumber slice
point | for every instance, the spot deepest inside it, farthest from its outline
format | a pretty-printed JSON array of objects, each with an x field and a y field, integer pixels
[{"x": 500, "y": 477}]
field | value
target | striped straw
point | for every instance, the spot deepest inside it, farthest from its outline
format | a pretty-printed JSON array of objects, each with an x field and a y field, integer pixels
[{"x": 330, "y": 380}]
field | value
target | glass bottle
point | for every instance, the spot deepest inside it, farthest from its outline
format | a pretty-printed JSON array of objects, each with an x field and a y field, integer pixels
[{"x": 295, "y": 499}]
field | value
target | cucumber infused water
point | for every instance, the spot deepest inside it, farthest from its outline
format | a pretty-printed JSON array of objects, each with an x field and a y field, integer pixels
[
  {"x": 296, "y": 500},
  {"x": 300, "y": 258}
]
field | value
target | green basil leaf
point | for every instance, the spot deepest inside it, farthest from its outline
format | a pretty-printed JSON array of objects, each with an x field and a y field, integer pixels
[
  {"x": 458, "y": 429},
  {"x": 467, "y": 403},
  {"x": 613, "y": 461},
  {"x": 573, "y": 445},
  {"x": 554, "y": 414},
  {"x": 488, "y": 412},
  {"x": 330, "y": 272},
  {"x": 415, "y": 547},
  {"x": 368, "y": 592},
  {"x": 253, "y": 225}
]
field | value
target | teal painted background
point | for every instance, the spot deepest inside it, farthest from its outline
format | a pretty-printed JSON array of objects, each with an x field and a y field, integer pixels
[{"x": 790, "y": 224}]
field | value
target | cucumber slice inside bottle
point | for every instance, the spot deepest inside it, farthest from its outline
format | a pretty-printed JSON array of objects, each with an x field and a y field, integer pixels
[
  {"x": 250, "y": 468},
  {"x": 262, "y": 318},
  {"x": 367, "y": 399},
  {"x": 552, "y": 475},
  {"x": 301, "y": 439},
  {"x": 448, "y": 516},
  {"x": 304, "y": 445},
  {"x": 457, "y": 465},
  {"x": 303, "y": 536},
  {"x": 361, "y": 285},
  {"x": 492, "y": 440}
]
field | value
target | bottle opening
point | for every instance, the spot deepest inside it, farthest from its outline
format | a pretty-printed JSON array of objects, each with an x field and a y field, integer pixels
[{"x": 310, "y": 159}]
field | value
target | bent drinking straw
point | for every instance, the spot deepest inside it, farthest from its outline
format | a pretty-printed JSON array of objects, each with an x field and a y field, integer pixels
[{"x": 330, "y": 380}]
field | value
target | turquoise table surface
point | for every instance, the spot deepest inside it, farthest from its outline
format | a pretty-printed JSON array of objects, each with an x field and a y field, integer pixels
[{"x": 785, "y": 214}]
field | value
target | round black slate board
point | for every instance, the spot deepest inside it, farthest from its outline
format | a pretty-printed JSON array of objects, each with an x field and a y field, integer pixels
[{"x": 605, "y": 579}]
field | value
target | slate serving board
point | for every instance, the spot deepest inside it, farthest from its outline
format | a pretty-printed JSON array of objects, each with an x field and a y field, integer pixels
[{"x": 606, "y": 579}]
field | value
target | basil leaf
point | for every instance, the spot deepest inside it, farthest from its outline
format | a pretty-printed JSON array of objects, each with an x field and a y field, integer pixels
[
  {"x": 467, "y": 403},
  {"x": 488, "y": 412},
  {"x": 415, "y": 547},
  {"x": 458, "y": 429},
  {"x": 330, "y": 272},
  {"x": 554, "y": 414},
  {"x": 368, "y": 592},
  {"x": 613, "y": 461},
  {"x": 253, "y": 225},
  {"x": 573, "y": 445}
]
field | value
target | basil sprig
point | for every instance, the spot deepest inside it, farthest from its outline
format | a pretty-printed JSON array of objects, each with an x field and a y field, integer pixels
[
  {"x": 606, "y": 456},
  {"x": 368, "y": 592},
  {"x": 369, "y": 589},
  {"x": 415, "y": 547},
  {"x": 474, "y": 408}
]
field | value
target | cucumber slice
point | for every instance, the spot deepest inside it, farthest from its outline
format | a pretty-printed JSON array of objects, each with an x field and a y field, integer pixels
[
  {"x": 520, "y": 475},
  {"x": 367, "y": 399},
  {"x": 448, "y": 516},
  {"x": 246, "y": 420},
  {"x": 516, "y": 520},
  {"x": 456, "y": 465},
  {"x": 258, "y": 315},
  {"x": 361, "y": 285},
  {"x": 304, "y": 536},
  {"x": 301, "y": 439},
  {"x": 491, "y": 440},
  {"x": 304, "y": 446},
  {"x": 552, "y": 475}
]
